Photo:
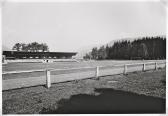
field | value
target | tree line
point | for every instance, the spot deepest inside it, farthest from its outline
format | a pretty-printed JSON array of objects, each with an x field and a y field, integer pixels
[
  {"x": 142, "y": 48},
  {"x": 31, "y": 47}
]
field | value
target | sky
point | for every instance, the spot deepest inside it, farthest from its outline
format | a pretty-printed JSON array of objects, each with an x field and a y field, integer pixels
[{"x": 67, "y": 27}]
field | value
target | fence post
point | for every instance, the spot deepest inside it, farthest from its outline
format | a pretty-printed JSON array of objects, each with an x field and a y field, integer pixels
[
  {"x": 97, "y": 72},
  {"x": 48, "y": 79},
  {"x": 143, "y": 66},
  {"x": 125, "y": 69},
  {"x": 155, "y": 65}
]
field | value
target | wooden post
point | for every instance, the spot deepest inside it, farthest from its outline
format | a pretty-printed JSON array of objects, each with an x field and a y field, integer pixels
[
  {"x": 155, "y": 65},
  {"x": 125, "y": 69},
  {"x": 48, "y": 79},
  {"x": 97, "y": 72},
  {"x": 143, "y": 67}
]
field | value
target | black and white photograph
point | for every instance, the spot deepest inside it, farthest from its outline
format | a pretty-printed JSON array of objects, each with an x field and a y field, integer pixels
[{"x": 83, "y": 57}]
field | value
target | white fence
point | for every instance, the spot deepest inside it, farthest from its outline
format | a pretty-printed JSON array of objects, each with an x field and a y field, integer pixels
[{"x": 63, "y": 75}]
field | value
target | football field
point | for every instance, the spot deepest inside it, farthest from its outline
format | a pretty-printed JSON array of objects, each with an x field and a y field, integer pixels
[
  {"x": 63, "y": 65},
  {"x": 67, "y": 71}
]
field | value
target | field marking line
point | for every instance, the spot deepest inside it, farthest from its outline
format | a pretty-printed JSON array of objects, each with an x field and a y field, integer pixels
[{"x": 25, "y": 71}]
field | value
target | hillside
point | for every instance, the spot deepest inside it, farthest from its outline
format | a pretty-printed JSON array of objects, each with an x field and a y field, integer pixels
[
  {"x": 153, "y": 45},
  {"x": 83, "y": 50},
  {"x": 86, "y": 49}
]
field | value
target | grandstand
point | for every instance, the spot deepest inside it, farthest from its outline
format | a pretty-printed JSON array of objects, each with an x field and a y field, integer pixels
[{"x": 38, "y": 55}]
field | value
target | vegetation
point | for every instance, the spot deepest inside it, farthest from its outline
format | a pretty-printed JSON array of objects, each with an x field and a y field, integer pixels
[
  {"x": 31, "y": 47},
  {"x": 143, "y": 85},
  {"x": 142, "y": 48}
]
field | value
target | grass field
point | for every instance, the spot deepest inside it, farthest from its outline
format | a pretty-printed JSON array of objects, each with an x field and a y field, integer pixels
[
  {"x": 138, "y": 92},
  {"x": 59, "y": 65},
  {"x": 62, "y": 65}
]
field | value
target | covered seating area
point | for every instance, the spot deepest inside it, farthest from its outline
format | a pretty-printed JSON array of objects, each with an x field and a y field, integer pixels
[{"x": 38, "y": 55}]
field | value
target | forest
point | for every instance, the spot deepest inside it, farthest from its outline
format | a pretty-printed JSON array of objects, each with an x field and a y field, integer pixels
[{"x": 148, "y": 48}]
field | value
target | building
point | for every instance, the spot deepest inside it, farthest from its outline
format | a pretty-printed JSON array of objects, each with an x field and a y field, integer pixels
[{"x": 37, "y": 55}]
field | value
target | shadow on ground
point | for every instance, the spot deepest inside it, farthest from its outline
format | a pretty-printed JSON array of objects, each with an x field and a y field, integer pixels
[{"x": 109, "y": 101}]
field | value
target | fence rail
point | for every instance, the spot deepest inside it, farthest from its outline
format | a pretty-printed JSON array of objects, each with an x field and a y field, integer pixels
[
  {"x": 82, "y": 73},
  {"x": 25, "y": 71}
]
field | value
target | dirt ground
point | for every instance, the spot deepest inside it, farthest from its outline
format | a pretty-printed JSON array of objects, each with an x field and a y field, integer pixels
[{"x": 138, "y": 92}]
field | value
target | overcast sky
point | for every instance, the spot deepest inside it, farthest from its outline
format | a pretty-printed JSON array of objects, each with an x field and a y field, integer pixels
[{"x": 70, "y": 26}]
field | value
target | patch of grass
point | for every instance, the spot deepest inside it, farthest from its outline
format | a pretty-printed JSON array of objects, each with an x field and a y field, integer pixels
[
  {"x": 108, "y": 101},
  {"x": 148, "y": 83},
  {"x": 39, "y": 99},
  {"x": 163, "y": 80}
]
